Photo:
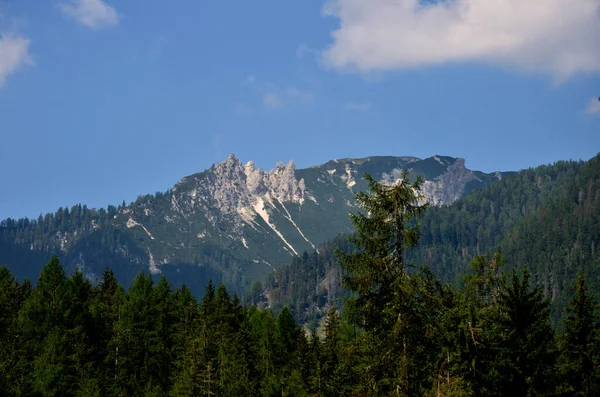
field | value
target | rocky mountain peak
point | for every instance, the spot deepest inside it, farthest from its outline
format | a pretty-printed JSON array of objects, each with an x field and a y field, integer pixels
[
  {"x": 248, "y": 220},
  {"x": 230, "y": 166},
  {"x": 450, "y": 185},
  {"x": 283, "y": 184},
  {"x": 232, "y": 158},
  {"x": 255, "y": 179},
  {"x": 245, "y": 208}
]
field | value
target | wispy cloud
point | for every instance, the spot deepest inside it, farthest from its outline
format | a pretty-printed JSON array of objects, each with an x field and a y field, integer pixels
[
  {"x": 95, "y": 14},
  {"x": 357, "y": 107},
  {"x": 303, "y": 50},
  {"x": 282, "y": 97},
  {"x": 14, "y": 54},
  {"x": 276, "y": 97},
  {"x": 547, "y": 36},
  {"x": 242, "y": 109},
  {"x": 593, "y": 106}
]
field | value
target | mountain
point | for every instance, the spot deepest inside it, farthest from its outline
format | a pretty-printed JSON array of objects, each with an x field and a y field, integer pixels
[
  {"x": 233, "y": 222},
  {"x": 545, "y": 218}
]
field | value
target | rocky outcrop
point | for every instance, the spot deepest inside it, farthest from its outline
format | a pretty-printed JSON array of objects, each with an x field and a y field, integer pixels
[
  {"x": 450, "y": 186},
  {"x": 232, "y": 192},
  {"x": 266, "y": 216},
  {"x": 280, "y": 183},
  {"x": 445, "y": 188}
]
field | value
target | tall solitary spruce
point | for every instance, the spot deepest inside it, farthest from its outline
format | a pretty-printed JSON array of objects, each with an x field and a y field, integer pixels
[
  {"x": 385, "y": 227},
  {"x": 382, "y": 302}
]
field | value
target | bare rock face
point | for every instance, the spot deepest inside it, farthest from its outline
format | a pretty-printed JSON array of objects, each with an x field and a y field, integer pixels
[
  {"x": 283, "y": 184},
  {"x": 255, "y": 179},
  {"x": 231, "y": 191},
  {"x": 266, "y": 216},
  {"x": 238, "y": 194},
  {"x": 395, "y": 176},
  {"x": 443, "y": 189},
  {"x": 228, "y": 187},
  {"x": 450, "y": 186}
]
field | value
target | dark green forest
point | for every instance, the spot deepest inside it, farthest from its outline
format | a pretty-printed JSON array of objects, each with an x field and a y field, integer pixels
[
  {"x": 27, "y": 243},
  {"x": 403, "y": 332},
  {"x": 545, "y": 218}
]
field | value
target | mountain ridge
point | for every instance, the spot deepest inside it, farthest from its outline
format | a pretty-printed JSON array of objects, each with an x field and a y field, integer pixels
[
  {"x": 545, "y": 219},
  {"x": 232, "y": 218}
]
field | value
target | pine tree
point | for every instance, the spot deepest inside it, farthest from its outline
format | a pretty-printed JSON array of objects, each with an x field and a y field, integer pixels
[
  {"x": 383, "y": 232},
  {"x": 305, "y": 362},
  {"x": 526, "y": 358},
  {"x": 44, "y": 323},
  {"x": 194, "y": 376},
  {"x": 82, "y": 349},
  {"x": 104, "y": 309},
  {"x": 315, "y": 358},
  {"x": 288, "y": 333},
  {"x": 136, "y": 349},
  {"x": 383, "y": 303},
  {"x": 165, "y": 322},
  {"x": 579, "y": 345},
  {"x": 330, "y": 355},
  {"x": 264, "y": 347},
  {"x": 14, "y": 363},
  {"x": 481, "y": 326}
]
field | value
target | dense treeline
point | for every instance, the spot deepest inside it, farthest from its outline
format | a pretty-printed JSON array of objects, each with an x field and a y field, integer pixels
[
  {"x": 308, "y": 285},
  {"x": 44, "y": 233},
  {"x": 544, "y": 218},
  {"x": 67, "y": 337},
  {"x": 41, "y": 232},
  {"x": 90, "y": 239}
]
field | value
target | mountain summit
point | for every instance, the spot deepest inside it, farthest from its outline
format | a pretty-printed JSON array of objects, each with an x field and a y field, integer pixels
[{"x": 233, "y": 222}]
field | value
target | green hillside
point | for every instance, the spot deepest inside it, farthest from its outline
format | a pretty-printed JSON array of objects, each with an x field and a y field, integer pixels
[{"x": 544, "y": 219}]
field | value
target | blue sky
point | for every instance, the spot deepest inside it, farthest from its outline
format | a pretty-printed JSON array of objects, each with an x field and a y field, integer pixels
[{"x": 103, "y": 100}]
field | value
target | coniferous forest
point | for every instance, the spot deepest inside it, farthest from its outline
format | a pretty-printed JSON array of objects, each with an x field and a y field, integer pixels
[{"x": 402, "y": 332}]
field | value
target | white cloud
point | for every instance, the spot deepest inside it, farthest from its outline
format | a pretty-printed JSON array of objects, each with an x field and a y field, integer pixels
[
  {"x": 275, "y": 97},
  {"x": 555, "y": 37},
  {"x": 357, "y": 107},
  {"x": 273, "y": 100},
  {"x": 95, "y": 14},
  {"x": 593, "y": 106},
  {"x": 14, "y": 53}
]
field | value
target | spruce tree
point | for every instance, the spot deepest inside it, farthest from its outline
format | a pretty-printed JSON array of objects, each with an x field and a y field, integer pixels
[
  {"x": 264, "y": 345},
  {"x": 383, "y": 301},
  {"x": 83, "y": 365},
  {"x": 14, "y": 360},
  {"x": 384, "y": 228},
  {"x": 330, "y": 355},
  {"x": 305, "y": 360},
  {"x": 43, "y": 321},
  {"x": 288, "y": 333},
  {"x": 526, "y": 357},
  {"x": 481, "y": 324},
  {"x": 579, "y": 345}
]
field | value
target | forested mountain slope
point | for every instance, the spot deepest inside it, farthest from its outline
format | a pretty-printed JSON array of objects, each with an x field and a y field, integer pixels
[
  {"x": 233, "y": 222},
  {"x": 545, "y": 218}
]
